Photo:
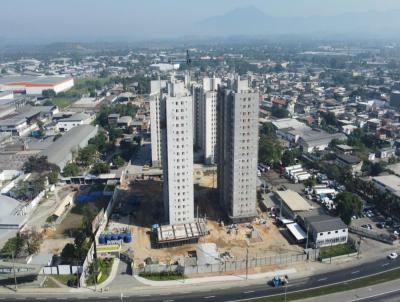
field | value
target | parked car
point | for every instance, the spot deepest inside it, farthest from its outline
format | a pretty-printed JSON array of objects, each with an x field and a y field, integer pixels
[
  {"x": 367, "y": 226},
  {"x": 380, "y": 225},
  {"x": 393, "y": 256}
]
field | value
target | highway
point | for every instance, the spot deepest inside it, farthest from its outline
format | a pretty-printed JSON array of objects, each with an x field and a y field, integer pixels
[{"x": 223, "y": 294}]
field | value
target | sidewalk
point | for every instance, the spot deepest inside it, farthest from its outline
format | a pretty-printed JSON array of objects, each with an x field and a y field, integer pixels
[
  {"x": 372, "y": 292},
  {"x": 194, "y": 281}
]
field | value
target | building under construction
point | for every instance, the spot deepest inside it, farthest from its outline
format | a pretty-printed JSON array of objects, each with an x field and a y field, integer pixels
[{"x": 178, "y": 234}]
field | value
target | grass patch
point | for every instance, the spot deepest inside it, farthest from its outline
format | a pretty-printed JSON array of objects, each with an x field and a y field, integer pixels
[
  {"x": 162, "y": 276},
  {"x": 336, "y": 250},
  {"x": 63, "y": 102},
  {"x": 99, "y": 270},
  {"x": 345, "y": 286},
  {"x": 49, "y": 283},
  {"x": 64, "y": 278}
]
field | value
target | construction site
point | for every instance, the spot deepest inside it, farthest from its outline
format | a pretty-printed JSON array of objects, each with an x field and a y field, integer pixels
[{"x": 140, "y": 208}]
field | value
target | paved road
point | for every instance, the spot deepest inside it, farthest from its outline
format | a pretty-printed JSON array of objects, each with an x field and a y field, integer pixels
[{"x": 224, "y": 294}]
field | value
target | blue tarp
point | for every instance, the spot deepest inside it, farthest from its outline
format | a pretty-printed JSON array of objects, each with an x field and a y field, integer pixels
[{"x": 87, "y": 197}]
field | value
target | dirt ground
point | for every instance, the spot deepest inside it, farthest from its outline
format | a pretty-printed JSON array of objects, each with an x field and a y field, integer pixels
[{"x": 269, "y": 240}]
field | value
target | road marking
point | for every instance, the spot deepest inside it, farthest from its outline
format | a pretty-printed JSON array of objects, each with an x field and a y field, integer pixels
[
  {"x": 386, "y": 264},
  {"x": 375, "y": 296},
  {"x": 20, "y": 298},
  {"x": 355, "y": 272},
  {"x": 209, "y": 297},
  {"x": 249, "y": 292},
  {"x": 322, "y": 279},
  {"x": 41, "y": 298},
  {"x": 168, "y": 300}
]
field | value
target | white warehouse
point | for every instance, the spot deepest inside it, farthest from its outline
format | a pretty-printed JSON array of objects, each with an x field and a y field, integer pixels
[{"x": 35, "y": 85}]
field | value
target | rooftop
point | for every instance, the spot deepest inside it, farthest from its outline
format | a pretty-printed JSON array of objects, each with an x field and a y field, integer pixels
[
  {"x": 325, "y": 223},
  {"x": 391, "y": 182},
  {"x": 348, "y": 159},
  {"x": 61, "y": 148},
  {"x": 32, "y": 81},
  {"x": 294, "y": 201}
]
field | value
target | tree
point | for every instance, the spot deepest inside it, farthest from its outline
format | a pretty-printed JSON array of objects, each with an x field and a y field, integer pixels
[
  {"x": 68, "y": 253},
  {"x": 87, "y": 155},
  {"x": 268, "y": 129},
  {"x": 289, "y": 157},
  {"x": 32, "y": 240},
  {"x": 330, "y": 119},
  {"x": 38, "y": 165},
  {"x": 100, "y": 141},
  {"x": 71, "y": 169},
  {"x": 372, "y": 169},
  {"x": 52, "y": 176},
  {"x": 311, "y": 182},
  {"x": 348, "y": 205},
  {"x": 279, "y": 112},
  {"x": 269, "y": 150},
  {"x": 13, "y": 246},
  {"x": 118, "y": 161},
  {"x": 100, "y": 168},
  {"x": 82, "y": 245}
]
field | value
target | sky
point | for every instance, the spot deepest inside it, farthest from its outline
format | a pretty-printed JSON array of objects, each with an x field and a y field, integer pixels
[{"x": 76, "y": 20}]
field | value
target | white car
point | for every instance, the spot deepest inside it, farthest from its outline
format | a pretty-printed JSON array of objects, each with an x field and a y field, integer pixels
[{"x": 393, "y": 256}]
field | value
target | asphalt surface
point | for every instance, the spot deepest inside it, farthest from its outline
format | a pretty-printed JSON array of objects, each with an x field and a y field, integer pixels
[{"x": 189, "y": 294}]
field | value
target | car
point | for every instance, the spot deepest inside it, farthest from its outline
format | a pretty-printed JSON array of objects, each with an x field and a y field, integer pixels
[
  {"x": 367, "y": 226},
  {"x": 380, "y": 225},
  {"x": 393, "y": 256}
]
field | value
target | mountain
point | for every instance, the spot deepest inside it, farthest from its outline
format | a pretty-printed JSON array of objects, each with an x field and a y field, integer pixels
[{"x": 251, "y": 21}]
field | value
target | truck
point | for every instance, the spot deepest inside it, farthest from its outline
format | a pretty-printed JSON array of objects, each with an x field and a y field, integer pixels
[
  {"x": 324, "y": 191},
  {"x": 279, "y": 281},
  {"x": 288, "y": 169},
  {"x": 303, "y": 177},
  {"x": 291, "y": 172}
]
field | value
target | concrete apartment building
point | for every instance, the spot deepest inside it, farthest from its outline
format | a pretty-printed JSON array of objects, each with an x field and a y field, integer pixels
[
  {"x": 156, "y": 88},
  {"x": 176, "y": 128},
  {"x": 205, "y": 118},
  {"x": 237, "y": 148}
]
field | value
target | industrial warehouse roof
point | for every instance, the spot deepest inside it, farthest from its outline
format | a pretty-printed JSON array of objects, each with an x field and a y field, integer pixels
[
  {"x": 32, "y": 81},
  {"x": 61, "y": 148},
  {"x": 390, "y": 182},
  {"x": 325, "y": 223},
  {"x": 294, "y": 201},
  {"x": 8, "y": 214}
]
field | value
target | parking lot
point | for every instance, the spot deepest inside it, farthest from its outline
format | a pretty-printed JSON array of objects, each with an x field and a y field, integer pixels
[{"x": 372, "y": 219}]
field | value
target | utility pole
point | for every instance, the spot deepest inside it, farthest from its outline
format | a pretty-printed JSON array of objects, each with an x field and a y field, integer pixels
[
  {"x": 285, "y": 290},
  {"x": 308, "y": 228},
  {"x": 247, "y": 263},
  {"x": 359, "y": 247},
  {"x": 15, "y": 276}
]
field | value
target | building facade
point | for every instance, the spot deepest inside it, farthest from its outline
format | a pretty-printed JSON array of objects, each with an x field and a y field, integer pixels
[
  {"x": 205, "y": 118},
  {"x": 155, "y": 130},
  {"x": 237, "y": 148},
  {"x": 176, "y": 119}
]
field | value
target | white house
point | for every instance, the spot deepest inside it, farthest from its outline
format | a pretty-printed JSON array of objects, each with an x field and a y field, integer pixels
[
  {"x": 326, "y": 230},
  {"x": 66, "y": 124}
]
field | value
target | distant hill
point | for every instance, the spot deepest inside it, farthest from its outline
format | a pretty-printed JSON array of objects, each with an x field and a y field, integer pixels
[{"x": 252, "y": 21}]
